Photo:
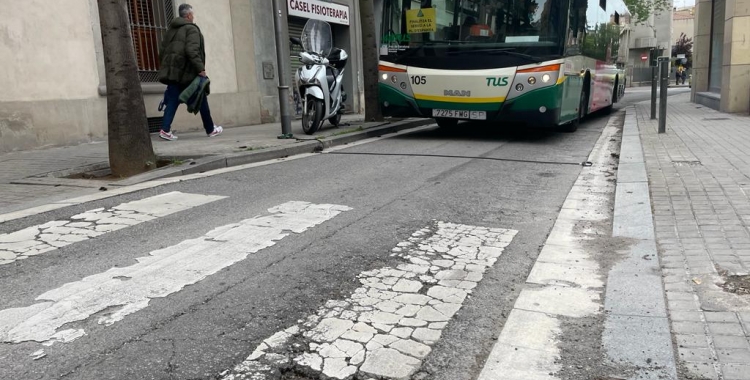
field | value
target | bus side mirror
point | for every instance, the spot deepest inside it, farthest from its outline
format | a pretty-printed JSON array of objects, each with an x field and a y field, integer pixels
[{"x": 295, "y": 41}]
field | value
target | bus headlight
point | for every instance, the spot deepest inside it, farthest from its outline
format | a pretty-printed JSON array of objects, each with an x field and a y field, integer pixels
[
  {"x": 534, "y": 76},
  {"x": 385, "y": 76},
  {"x": 394, "y": 79}
]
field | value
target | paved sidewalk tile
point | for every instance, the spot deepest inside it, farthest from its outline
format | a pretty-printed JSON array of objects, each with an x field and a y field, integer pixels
[
  {"x": 736, "y": 371},
  {"x": 699, "y": 179}
]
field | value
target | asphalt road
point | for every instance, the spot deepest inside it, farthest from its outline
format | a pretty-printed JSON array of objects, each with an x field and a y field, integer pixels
[{"x": 513, "y": 179}]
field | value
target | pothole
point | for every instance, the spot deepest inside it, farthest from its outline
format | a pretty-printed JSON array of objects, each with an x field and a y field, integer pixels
[{"x": 735, "y": 284}]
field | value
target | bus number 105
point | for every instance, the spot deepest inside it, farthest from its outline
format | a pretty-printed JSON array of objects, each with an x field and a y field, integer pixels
[{"x": 418, "y": 79}]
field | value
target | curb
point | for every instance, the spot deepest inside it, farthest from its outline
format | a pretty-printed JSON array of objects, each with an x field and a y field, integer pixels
[
  {"x": 637, "y": 330},
  {"x": 313, "y": 145},
  {"x": 225, "y": 163}
]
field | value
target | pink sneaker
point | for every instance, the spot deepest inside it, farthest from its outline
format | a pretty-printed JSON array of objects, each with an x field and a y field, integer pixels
[
  {"x": 217, "y": 131},
  {"x": 169, "y": 136}
]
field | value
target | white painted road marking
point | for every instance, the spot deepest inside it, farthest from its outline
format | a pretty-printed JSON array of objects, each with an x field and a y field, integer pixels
[
  {"x": 566, "y": 281},
  {"x": 387, "y": 326},
  {"x": 163, "y": 272},
  {"x": 50, "y": 236}
]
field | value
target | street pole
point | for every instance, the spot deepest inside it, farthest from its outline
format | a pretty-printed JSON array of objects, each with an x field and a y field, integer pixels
[
  {"x": 664, "y": 83},
  {"x": 654, "y": 81},
  {"x": 283, "y": 63}
]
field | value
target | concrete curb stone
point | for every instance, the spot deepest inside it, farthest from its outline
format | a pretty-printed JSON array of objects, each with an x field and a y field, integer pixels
[
  {"x": 235, "y": 159},
  {"x": 200, "y": 165},
  {"x": 637, "y": 327}
]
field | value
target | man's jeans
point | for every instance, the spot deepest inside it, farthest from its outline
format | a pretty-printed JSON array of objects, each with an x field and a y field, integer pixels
[{"x": 172, "y": 102}]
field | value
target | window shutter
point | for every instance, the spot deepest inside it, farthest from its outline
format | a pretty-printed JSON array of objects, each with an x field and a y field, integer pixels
[{"x": 149, "y": 20}]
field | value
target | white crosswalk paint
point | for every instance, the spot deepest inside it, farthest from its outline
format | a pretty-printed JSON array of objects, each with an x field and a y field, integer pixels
[
  {"x": 388, "y": 325},
  {"x": 123, "y": 291},
  {"x": 56, "y": 234}
]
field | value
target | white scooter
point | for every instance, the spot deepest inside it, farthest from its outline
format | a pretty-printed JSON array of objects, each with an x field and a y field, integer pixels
[{"x": 319, "y": 79}]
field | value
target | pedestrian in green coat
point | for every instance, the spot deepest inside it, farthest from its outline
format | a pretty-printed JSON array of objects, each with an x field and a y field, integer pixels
[{"x": 183, "y": 58}]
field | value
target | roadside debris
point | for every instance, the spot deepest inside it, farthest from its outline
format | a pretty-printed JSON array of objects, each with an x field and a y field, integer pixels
[
  {"x": 735, "y": 284},
  {"x": 36, "y": 355}
]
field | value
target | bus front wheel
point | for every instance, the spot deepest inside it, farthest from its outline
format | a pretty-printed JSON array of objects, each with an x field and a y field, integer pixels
[{"x": 447, "y": 123}]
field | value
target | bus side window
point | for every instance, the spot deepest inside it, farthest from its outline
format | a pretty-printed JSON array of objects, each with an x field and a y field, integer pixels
[{"x": 576, "y": 27}]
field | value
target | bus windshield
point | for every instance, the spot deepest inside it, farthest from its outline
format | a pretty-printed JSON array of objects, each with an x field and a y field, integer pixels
[{"x": 523, "y": 26}]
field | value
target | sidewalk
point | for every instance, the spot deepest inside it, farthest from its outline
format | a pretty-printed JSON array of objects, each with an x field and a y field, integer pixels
[
  {"x": 699, "y": 179},
  {"x": 37, "y": 177}
]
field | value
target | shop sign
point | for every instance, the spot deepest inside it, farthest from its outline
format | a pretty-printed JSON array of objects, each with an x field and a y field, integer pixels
[
  {"x": 421, "y": 20},
  {"x": 319, "y": 10}
]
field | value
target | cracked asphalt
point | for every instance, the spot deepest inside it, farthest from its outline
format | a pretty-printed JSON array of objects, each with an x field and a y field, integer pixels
[{"x": 394, "y": 187}]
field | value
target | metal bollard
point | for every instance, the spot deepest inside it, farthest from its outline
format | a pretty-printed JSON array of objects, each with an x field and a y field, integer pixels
[
  {"x": 664, "y": 83},
  {"x": 654, "y": 84}
]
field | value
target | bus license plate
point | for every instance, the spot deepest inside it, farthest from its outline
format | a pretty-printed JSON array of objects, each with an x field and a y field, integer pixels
[{"x": 454, "y": 114}]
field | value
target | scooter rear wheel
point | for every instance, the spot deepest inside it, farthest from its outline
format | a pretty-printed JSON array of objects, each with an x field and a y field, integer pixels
[{"x": 313, "y": 115}]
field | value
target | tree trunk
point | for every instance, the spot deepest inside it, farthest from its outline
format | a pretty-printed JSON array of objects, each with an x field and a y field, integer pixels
[
  {"x": 370, "y": 60},
  {"x": 130, "y": 149}
]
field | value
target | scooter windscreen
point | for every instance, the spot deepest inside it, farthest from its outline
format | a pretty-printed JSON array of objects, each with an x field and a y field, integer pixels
[{"x": 317, "y": 37}]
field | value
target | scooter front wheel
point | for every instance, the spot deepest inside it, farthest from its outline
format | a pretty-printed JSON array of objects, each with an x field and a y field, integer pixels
[{"x": 313, "y": 115}]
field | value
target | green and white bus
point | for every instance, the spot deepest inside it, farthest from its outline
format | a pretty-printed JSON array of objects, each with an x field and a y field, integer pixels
[{"x": 538, "y": 62}]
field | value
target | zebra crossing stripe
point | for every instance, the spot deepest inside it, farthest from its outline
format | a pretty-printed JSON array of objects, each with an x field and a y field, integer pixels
[
  {"x": 386, "y": 327},
  {"x": 56, "y": 234},
  {"x": 123, "y": 291}
]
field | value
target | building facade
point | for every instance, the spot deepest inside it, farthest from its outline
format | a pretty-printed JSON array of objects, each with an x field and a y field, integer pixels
[
  {"x": 683, "y": 22},
  {"x": 342, "y": 15},
  {"x": 721, "y": 55},
  {"x": 55, "y": 91},
  {"x": 640, "y": 37}
]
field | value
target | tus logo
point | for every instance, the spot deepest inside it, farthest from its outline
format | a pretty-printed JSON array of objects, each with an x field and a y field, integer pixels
[
  {"x": 497, "y": 82},
  {"x": 461, "y": 93}
]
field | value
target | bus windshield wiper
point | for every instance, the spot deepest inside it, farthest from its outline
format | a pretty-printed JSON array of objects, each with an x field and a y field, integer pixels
[{"x": 499, "y": 51}]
